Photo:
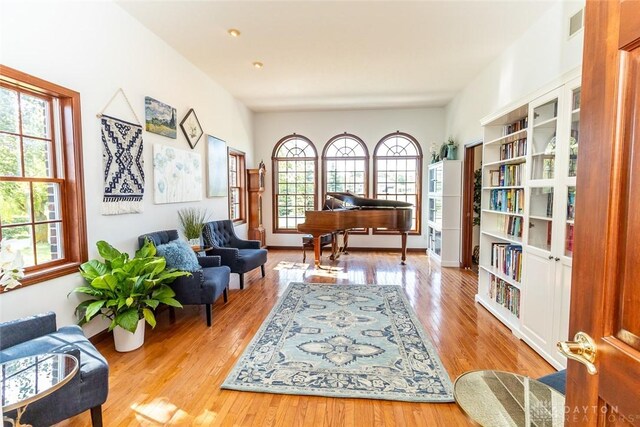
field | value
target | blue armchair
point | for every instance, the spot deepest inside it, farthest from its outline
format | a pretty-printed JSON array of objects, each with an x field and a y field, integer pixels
[
  {"x": 204, "y": 286},
  {"x": 86, "y": 391},
  {"x": 240, "y": 255}
]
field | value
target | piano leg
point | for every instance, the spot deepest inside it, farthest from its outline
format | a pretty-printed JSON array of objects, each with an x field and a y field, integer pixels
[
  {"x": 317, "y": 249},
  {"x": 346, "y": 242},
  {"x": 404, "y": 247}
]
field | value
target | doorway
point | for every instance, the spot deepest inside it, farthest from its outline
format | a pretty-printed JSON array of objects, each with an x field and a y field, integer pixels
[{"x": 471, "y": 193}]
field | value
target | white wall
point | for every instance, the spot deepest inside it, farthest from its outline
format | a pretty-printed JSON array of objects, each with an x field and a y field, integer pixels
[
  {"x": 542, "y": 54},
  {"x": 426, "y": 125},
  {"x": 96, "y": 48}
]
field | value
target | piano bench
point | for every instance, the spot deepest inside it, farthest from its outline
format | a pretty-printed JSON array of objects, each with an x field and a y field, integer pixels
[{"x": 307, "y": 242}]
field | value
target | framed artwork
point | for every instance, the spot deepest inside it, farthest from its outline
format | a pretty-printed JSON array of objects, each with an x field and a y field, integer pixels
[
  {"x": 160, "y": 118},
  {"x": 217, "y": 176},
  {"x": 191, "y": 128},
  {"x": 177, "y": 175}
]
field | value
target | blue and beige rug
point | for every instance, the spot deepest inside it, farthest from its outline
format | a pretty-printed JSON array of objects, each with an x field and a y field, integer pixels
[{"x": 343, "y": 341}]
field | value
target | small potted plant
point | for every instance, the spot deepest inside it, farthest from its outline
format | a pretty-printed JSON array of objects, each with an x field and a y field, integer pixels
[
  {"x": 11, "y": 267},
  {"x": 126, "y": 291},
  {"x": 192, "y": 221}
]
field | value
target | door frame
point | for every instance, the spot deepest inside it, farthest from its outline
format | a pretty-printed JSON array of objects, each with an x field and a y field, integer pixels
[{"x": 467, "y": 203}]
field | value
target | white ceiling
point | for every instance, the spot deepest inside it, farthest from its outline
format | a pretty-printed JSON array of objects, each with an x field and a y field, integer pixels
[{"x": 321, "y": 55}]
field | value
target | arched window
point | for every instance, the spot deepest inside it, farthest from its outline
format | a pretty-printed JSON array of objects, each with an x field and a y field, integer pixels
[
  {"x": 397, "y": 172},
  {"x": 345, "y": 159},
  {"x": 295, "y": 165}
]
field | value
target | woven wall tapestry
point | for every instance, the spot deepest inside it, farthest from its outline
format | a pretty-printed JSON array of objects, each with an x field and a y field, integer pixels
[{"x": 123, "y": 166}]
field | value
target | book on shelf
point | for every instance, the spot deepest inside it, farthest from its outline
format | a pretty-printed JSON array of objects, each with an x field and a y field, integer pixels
[
  {"x": 571, "y": 203},
  {"x": 494, "y": 178},
  {"x": 510, "y": 175},
  {"x": 508, "y": 200},
  {"x": 507, "y": 259},
  {"x": 569, "y": 239},
  {"x": 516, "y": 126},
  {"x": 510, "y": 225},
  {"x": 505, "y": 294},
  {"x": 513, "y": 149}
]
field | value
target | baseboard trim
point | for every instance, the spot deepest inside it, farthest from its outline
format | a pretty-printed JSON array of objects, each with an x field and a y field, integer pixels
[
  {"x": 100, "y": 336},
  {"x": 353, "y": 249}
]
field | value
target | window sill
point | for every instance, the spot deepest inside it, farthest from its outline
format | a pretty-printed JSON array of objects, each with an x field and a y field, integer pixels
[
  {"x": 238, "y": 222},
  {"x": 39, "y": 276}
]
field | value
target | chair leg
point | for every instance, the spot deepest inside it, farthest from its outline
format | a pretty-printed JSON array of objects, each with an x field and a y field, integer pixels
[
  {"x": 96, "y": 416},
  {"x": 262, "y": 269},
  {"x": 225, "y": 294},
  {"x": 241, "y": 280},
  {"x": 207, "y": 309}
]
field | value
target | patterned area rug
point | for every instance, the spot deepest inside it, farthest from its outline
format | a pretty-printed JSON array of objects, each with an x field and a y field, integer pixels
[{"x": 343, "y": 341}]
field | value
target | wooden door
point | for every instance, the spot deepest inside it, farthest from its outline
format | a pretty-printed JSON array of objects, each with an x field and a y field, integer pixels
[{"x": 606, "y": 272}]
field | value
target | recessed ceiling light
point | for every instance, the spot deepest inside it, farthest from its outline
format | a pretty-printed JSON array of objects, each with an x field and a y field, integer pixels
[
  {"x": 233, "y": 32},
  {"x": 258, "y": 64}
]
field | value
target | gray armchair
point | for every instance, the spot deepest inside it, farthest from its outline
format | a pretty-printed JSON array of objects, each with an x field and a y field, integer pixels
[
  {"x": 204, "y": 286},
  {"x": 240, "y": 255},
  {"x": 87, "y": 390}
]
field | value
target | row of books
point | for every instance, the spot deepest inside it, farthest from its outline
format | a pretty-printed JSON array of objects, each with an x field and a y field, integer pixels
[
  {"x": 569, "y": 240},
  {"x": 510, "y": 225},
  {"x": 504, "y": 294},
  {"x": 515, "y": 126},
  {"x": 513, "y": 149},
  {"x": 571, "y": 203},
  {"x": 507, "y": 175},
  {"x": 507, "y": 258},
  {"x": 509, "y": 200}
]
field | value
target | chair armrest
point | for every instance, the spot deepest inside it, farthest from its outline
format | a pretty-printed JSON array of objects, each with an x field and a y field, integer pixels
[
  {"x": 245, "y": 244},
  {"x": 209, "y": 261},
  {"x": 228, "y": 256},
  {"x": 18, "y": 331},
  {"x": 69, "y": 349}
]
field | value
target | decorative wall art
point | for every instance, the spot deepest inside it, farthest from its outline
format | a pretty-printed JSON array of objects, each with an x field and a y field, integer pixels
[
  {"x": 216, "y": 167},
  {"x": 191, "y": 128},
  {"x": 177, "y": 175},
  {"x": 123, "y": 162},
  {"x": 160, "y": 118},
  {"x": 123, "y": 166}
]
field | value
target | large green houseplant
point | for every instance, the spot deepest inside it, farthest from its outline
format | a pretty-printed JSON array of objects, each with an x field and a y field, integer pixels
[{"x": 126, "y": 290}]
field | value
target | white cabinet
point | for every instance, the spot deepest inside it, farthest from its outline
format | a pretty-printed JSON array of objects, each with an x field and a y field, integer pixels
[
  {"x": 443, "y": 212},
  {"x": 528, "y": 199}
]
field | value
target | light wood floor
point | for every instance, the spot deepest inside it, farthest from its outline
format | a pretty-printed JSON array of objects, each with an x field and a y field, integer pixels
[{"x": 174, "y": 379}]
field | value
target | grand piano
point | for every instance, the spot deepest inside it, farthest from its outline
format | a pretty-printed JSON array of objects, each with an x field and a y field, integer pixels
[{"x": 345, "y": 211}]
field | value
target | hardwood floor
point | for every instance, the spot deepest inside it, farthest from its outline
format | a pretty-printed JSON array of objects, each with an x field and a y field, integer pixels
[{"x": 174, "y": 379}]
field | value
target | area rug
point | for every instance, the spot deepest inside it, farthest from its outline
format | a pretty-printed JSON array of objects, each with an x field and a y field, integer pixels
[{"x": 359, "y": 341}]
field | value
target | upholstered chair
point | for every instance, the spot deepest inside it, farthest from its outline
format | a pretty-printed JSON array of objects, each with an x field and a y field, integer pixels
[
  {"x": 204, "y": 286},
  {"x": 87, "y": 390},
  {"x": 240, "y": 255}
]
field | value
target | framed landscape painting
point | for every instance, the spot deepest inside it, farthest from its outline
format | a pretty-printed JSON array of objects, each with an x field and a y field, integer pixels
[
  {"x": 160, "y": 118},
  {"x": 216, "y": 167}
]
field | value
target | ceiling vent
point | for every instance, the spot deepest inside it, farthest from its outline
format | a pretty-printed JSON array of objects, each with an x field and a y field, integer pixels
[{"x": 576, "y": 22}]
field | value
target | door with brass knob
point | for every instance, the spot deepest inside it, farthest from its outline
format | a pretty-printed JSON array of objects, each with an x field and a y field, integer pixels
[{"x": 603, "y": 373}]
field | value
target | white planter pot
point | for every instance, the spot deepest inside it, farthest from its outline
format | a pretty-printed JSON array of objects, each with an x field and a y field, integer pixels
[{"x": 127, "y": 341}]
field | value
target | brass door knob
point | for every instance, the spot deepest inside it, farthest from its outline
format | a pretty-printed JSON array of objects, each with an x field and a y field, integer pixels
[{"x": 582, "y": 349}]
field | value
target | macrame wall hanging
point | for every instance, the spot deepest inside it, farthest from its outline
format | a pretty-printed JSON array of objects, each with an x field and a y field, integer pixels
[{"x": 123, "y": 162}]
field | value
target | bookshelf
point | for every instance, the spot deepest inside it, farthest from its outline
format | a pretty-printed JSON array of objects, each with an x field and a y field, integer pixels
[
  {"x": 443, "y": 212},
  {"x": 527, "y": 215}
]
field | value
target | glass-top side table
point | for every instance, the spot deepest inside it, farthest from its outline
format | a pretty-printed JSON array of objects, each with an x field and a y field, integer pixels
[
  {"x": 495, "y": 398},
  {"x": 25, "y": 380}
]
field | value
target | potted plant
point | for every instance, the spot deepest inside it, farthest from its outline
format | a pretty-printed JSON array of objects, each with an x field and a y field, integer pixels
[
  {"x": 192, "y": 221},
  {"x": 127, "y": 291}
]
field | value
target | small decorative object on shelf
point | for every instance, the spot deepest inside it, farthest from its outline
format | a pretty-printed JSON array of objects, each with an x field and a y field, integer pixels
[
  {"x": 11, "y": 267},
  {"x": 435, "y": 153},
  {"x": 192, "y": 221},
  {"x": 452, "y": 149}
]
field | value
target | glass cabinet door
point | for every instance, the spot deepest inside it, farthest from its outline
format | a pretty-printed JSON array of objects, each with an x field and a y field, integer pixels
[
  {"x": 574, "y": 138},
  {"x": 544, "y": 131},
  {"x": 541, "y": 217}
]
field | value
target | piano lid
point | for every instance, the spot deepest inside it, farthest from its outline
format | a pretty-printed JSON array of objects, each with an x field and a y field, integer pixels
[{"x": 364, "y": 202}]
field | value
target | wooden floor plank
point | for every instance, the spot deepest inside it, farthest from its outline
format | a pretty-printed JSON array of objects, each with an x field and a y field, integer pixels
[{"x": 175, "y": 378}]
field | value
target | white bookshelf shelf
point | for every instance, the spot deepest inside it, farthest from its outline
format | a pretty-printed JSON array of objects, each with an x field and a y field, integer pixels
[
  {"x": 492, "y": 270},
  {"x": 512, "y": 161},
  {"x": 509, "y": 138},
  {"x": 504, "y": 187},
  {"x": 504, "y": 237},
  {"x": 491, "y": 211}
]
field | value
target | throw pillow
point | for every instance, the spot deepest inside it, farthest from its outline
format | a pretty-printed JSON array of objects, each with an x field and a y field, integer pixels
[{"x": 179, "y": 255}]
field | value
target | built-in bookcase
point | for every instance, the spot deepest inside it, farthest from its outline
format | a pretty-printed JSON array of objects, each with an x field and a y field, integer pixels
[
  {"x": 530, "y": 158},
  {"x": 443, "y": 212}
]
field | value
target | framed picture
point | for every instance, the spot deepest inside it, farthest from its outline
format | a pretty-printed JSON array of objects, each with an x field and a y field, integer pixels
[
  {"x": 177, "y": 175},
  {"x": 191, "y": 128},
  {"x": 217, "y": 177},
  {"x": 160, "y": 118}
]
